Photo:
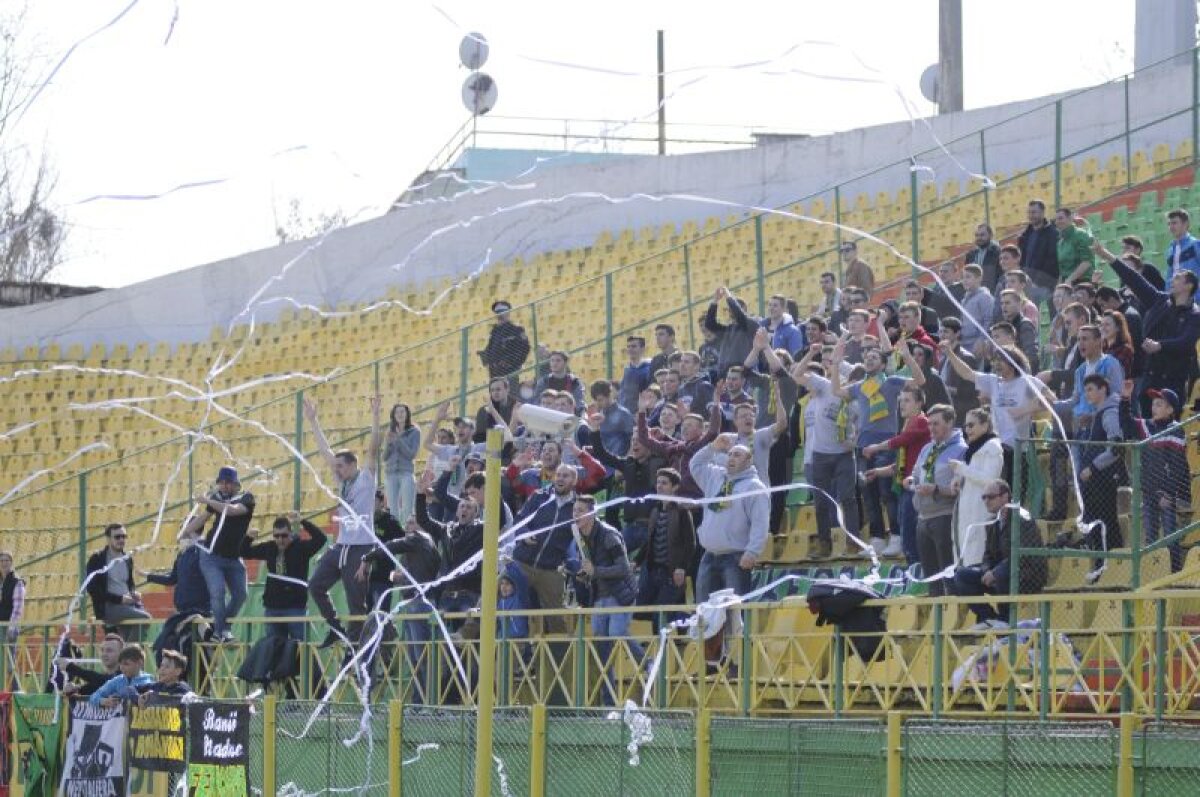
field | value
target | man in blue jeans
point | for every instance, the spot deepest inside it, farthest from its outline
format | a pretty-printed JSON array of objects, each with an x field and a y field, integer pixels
[
  {"x": 599, "y": 550},
  {"x": 735, "y": 526},
  {"x": 220, "y": 552}
]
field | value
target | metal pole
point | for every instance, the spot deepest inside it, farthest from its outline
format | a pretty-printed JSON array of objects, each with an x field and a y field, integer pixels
[
  {"x": 912, "y": 218},
  {"x": 703, "y": 751},
  {"x": 395, "y": 760},
  {"x": 662, "y": 97},
  {"x": 1195, "y": 103},
  {"x": 81, "y": 554},
  {"x": 464, "y": 354},
  {"x": 758, "y": 261},
  {"x": 950, "y": 56},
  {"x": 298, "y": 475},
  {"x": 537, "y": 751},
  {"x": 987, "y": 193},
  {"x": 270, "y": 703},
  {"x": 687, "y": 286},
  {"x": 1058, "y": 154},
  {"x": 1128, "y": 143},
  {"x": 895, "y": 751},
  {"x": 487, "y": 620},
  {"x": 608, "y": 325}
]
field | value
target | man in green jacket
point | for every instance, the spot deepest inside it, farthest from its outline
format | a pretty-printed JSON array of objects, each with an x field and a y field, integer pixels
[{"x": 1075, "y": 259}]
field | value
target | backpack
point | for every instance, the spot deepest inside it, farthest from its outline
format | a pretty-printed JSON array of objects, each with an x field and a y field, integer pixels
[{"x": 839, "y": 601}]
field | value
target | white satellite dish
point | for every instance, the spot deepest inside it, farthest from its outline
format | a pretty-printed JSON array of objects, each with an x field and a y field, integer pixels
[
  {"x": 473, "y": 51},
  {"x": 929, "y": 82},
  {"x": 479, "y": 93}
]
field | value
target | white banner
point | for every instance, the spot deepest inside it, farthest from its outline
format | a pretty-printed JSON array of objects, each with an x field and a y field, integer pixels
[{"x": 94, "y": 765}]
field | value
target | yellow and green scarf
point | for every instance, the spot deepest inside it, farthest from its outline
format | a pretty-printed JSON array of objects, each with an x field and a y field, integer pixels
[{"x": 877, "y": 406}]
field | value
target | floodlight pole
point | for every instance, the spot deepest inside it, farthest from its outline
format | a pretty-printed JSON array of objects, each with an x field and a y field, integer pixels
[
  {"x": 487, "y": 618},
  {"x": 662, "y": 98}
]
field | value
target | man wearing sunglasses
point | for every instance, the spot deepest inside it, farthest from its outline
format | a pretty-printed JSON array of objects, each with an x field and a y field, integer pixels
[
  {"x": 992, "y": 575},
  {"x": 110, "y": 586},
  {"x": 287, "y": 556}
]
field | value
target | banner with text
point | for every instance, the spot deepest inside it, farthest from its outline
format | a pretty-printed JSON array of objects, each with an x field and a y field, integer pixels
[
  {"x": 219, "y": 747},
  {"x": 95, "y": 757},
  {"x": 157, "y": 736},
  {"x": 38, "y": 733}
]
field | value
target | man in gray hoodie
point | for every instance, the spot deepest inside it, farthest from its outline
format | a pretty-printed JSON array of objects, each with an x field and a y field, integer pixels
[
  {"x": 934, "y": 495},
  {"x": 734, "y": 529}
]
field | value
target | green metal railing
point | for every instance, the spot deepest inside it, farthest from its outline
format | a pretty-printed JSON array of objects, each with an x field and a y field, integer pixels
[{"x": 766, "y": 240}]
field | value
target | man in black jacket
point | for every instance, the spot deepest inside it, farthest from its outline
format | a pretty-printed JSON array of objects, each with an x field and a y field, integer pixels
[
  {"x": 734, "y": 339},
  {"x": 507, "y": 346},
  {"x": 986, "y": 255},
  {"x": 1039, "y": 252},
  {"x": 637, "y": 472},
  {"x": 666, "y": 557},
  {"x": 602, "y": 559},
  {"x": 190, "y": 595},
  {"x": 460, "y": 540},
  {"x": 82, "y": 681},
  {"x": 993, "y": 576},
  {"x": 109, "y": 583},
  {"x": 421, "y": 563},
  {"x": 1170, "y": 329},
  {"x": 287, "y": 557}
]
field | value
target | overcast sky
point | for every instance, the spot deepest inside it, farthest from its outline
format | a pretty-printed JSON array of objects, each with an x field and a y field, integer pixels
[{"x": 342, "y": 104}]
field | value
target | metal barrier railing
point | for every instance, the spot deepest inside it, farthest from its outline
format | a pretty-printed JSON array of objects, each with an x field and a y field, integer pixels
[{"x": 1067, "y": 654}]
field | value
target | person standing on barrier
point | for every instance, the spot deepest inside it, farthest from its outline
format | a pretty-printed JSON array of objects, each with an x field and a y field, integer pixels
[
  {"x": 190, "y": 595},
  {"x": 932, "y": 483},
  {"x": 355, "y": 519},
  {"x": 1101, "y": 467},
  {"x": 287, "y": 557},
  {"x": 1170, "y": 326},
  {"x": 114, "y": 599},
  {"x": 231, "y": 510},
  {"x": 992, "y": 575}
]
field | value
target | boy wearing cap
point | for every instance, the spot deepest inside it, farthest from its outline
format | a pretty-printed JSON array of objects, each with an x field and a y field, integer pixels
[
  {"x": 1166, "y": 478},
  {"x": 220, "y": 551},
  {"x": 507, "y": 346}
]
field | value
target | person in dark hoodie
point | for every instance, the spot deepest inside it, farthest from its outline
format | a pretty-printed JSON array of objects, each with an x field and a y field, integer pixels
[
  {"x": 664, "y": 561},
  {"x": 191, "y": 591},
  {"x": 1166, "y": 478},
  {"x": 1101, "y": 468},
  {"x": 287, "y": 557},
  {"x": 734, "y": 339},
  {"x": 459, "y": 540}
]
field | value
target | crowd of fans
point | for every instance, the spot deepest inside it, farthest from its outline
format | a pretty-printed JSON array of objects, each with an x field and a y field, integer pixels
[{"x": 905, "y": 417}]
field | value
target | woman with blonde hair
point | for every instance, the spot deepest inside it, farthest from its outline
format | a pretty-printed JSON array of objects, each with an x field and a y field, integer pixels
[{"x": 979, "y": 467}]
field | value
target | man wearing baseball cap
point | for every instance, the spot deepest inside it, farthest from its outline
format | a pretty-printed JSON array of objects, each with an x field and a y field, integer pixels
[
  {"x": 507, "y": 346},
  {"x": 220, "y": 551},
  {"x": 1166, "y": 478}
]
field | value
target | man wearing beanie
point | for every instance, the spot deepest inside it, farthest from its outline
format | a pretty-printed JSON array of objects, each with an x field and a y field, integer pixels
[{"x": 220, "y": 551}]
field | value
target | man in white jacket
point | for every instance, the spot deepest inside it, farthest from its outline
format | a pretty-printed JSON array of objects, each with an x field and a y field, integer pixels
[{"x": 735, "y": 527}]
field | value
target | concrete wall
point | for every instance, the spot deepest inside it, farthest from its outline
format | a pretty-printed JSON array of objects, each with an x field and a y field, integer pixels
[{"x": 563, "y": 209}]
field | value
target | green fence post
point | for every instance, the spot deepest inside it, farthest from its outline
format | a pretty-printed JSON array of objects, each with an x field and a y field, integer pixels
[
  {"x": 938, "y": 655},
  {"x": 761, "y": 276},
  {"x": 913, "y": 213},
  {"x": 298, "y": 476},
  {"x": 1047, "y": 639},
  {"x": 1058, "y": 153},
  {"x": 1014, "y": 528},
  {"x": 687, "y": 287},
  {"x": 1128, "y": 143},
  {"x": 837, "y": 220},
  {"x": 608, "y": 325},
  {"x": 534, "y": 331},
  {"x": 987, "y": 194},
  {"x": 1160, "y": 657},
  {"x": 1135, "y": 517},
  {"x": 81, "y": 554},
  {"x": 464, "y": 354}
]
